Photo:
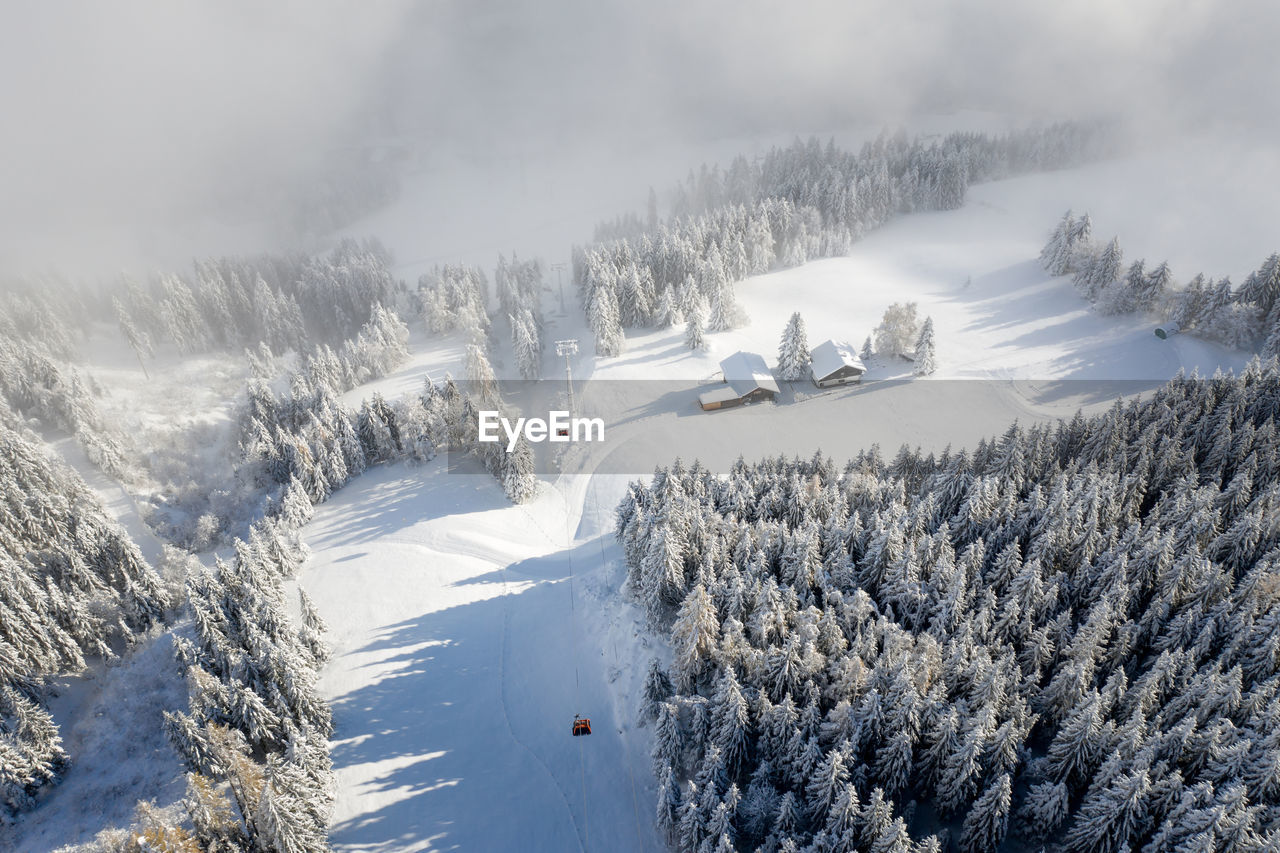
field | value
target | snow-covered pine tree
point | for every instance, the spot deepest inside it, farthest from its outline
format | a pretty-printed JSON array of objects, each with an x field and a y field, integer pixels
[
  {"x": 480, "y": 375},
  {"x": 729, "y": 721},
  {"x": 793, "y": 350},
  {"x": 988, "y": 821},
  {"x": 1079, "y": 242},
  {"x": 657, "y": 689},
  {"x": 138, "y": 340},
  {"x": 1155, "y": 287},
  {"x": 1100, "y": 271},
  {"x": 723, "y": 310},
  {"x": 519, "y": 481},
  {"x": 1055, "y": 252},
  {"x": 694, "y": 634},
  {"x": 668, "y": 314},
  {"x": 524, "y": 341},
  {"x": 926, "y": 356},
  {"x": 1262, "y": 287},
  {"x": 1271, "y": 344},
  {"x": 693, "y": 336},
  {"x": 606, "y": 324}
]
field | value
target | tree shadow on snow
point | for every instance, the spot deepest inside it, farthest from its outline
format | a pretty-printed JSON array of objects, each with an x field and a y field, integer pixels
[{"x": 384, "y": 501}]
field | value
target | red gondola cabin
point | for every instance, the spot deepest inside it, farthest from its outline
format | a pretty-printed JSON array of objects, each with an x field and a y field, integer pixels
[{"x": 581, "y": 726}]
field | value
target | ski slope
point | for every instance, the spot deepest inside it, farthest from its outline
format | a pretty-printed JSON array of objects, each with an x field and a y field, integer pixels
[{"x": 467, "y": 634}]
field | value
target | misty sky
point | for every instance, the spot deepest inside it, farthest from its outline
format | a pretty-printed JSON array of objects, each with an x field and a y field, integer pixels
[{"x": 141, "y": 127}]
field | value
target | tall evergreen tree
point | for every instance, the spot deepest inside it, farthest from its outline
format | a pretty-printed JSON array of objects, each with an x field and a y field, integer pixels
[{"x": 793, "y": 351}]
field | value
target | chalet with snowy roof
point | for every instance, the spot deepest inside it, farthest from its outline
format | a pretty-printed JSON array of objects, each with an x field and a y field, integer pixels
[
  {"x": 836, "y": 363},
  {"x": 747, "y": 380}
]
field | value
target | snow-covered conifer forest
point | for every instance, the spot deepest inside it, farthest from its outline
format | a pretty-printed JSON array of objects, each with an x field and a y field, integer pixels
[
  {"x": 910, "y": 514},
  {"x": 1069, "y": 633}
]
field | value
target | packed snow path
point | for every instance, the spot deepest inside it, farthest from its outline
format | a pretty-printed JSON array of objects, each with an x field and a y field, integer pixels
[{"x": 453, "y": 678}]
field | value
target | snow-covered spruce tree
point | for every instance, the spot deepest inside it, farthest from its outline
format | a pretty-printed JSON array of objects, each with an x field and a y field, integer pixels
[
  {"x": 480, "y": 374},
  {"x": 693, "y": 333},
  {"x": 1155, "y": 288},
  {"x": 1271, "y": 345},
  {"x": 667, "y": 315},
  {"x": 1076, "y": 623},
  {"x": 1069, "y": 245},
  {"x": 606, "y": 324},
  {"x": 138, "y": 341},
  {"x": 519, "y": 481},
  {"x": 898, "y": 329},
  {"x": 723, "y": 309},
  {"x": 793, "y": 350},
  {"x": 525, "y": 344},
  {"x": 1099, "y": 271},
  {"x": 1079, "y": 242},
  {"x": 988, "y": 821},
  {"x": 1121, "y": 296},
  {"x": 1056, "y": 254},
  {"x": 1262, "y": 287},
  {"x": 867, "y": 351},
  {"x": 926, "y": 355}
]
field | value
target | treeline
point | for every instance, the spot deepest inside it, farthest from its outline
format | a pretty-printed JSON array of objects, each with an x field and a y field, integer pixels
[
  {"x": 298, "y": 431},
  {"x": 255, "y": 736},
  {"x": 305, "y": 441},
  {"x": 73, "y": 587},
  {"x": 455, "y": 297},
  {"x": 35, "y": 386},
  {"x": 1244, "y": 317},
  {"x": 280, "y": 302},
  {"x": 1070, "y": 635},
  {"x": 288, "y": 302},
  {"x": 797, "y": 203},
  {"x": 519, "y": 286}
]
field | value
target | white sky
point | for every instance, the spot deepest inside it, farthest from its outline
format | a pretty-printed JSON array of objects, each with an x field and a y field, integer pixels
[{"x": 127, "y": 122}]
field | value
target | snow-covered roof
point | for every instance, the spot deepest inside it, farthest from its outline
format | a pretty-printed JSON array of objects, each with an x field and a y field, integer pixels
[
  {"x": 746, "y": 371},
  {"x": 723, "y": 394},
  {"x": 830, "y": 356}
]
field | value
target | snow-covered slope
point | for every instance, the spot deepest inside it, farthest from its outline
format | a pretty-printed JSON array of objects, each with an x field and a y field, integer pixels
[
  {"x": 975, "y": 271},
  {"x": 468, "y": 633}
]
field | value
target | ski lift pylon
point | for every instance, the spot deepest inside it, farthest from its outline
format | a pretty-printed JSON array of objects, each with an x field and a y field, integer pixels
[{"x": 581, "y": 726}]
